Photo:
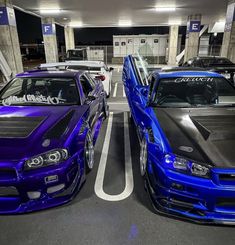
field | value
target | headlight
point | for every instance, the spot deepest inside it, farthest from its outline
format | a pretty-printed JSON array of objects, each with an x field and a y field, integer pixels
[
  {"x": 186, "y": 166},
  {"x": 49, "y": 158}
]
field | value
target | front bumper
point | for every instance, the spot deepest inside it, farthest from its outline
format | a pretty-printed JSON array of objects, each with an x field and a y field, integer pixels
[
  {"x": 193, "y": 198},
  {"x": 29, "y": 191}
]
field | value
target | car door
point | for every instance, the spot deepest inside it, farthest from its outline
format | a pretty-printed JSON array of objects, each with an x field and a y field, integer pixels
[
  {"x": 135, "y": 79},
  {"x": 93, "y": 97}
]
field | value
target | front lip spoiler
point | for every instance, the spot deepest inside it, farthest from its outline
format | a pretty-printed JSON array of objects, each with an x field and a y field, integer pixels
[{"x": 160, "y": 210}]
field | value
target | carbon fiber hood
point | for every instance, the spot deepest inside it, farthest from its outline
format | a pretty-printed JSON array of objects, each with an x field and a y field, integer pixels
[{"x": 202, "y": 134}]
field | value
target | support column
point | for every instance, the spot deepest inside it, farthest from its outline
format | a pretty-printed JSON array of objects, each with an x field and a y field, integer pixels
[
  {"x": 9, "y": 40},
  {"x": 173, "y": 45},
  {"x": 69, "y": 38},
  {"x": 228, "y": 47},
  {"x": 192, "y": 37},
  {"x": 50, "y": 40}
]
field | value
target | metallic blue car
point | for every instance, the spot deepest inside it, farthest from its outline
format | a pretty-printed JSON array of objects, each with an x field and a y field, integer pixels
[
  {"x": 185, "y": 122},
  {"x": 49, "y": 123}
]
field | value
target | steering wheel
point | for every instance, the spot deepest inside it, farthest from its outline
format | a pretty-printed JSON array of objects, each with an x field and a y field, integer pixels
[{"x": 163, "y": 99}]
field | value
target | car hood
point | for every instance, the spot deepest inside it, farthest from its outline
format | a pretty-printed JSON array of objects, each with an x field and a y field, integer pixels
[
  {"x": 23, "y": 129},
  {"x": 202, "y": 134}
]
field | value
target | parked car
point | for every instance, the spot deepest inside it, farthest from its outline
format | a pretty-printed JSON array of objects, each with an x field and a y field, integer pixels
[
  {"x": 96, "y": 69},
  {"x": 215, "y": 64},
  {"x": 76, "y": 54},
  {"x": 50, "y": 121},
  {"x": 185, "y": 124}
]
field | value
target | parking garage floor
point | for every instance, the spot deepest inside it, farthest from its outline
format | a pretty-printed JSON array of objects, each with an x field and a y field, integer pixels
[{"x": 112, "y": 207}]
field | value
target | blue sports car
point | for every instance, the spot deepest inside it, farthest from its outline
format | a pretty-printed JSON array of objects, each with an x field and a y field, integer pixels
[
  {"x": 185, "y": 121},
  {"x": 49, "y": 123}
]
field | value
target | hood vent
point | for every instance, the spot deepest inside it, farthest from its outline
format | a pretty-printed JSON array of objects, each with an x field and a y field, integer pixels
[
  {"x": 60, "y": 128},
  {"x": 18, "y": 127}
]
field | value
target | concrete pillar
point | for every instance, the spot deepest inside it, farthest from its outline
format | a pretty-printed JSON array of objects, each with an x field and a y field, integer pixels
[
  {"x": 228, "y": 47},
  {"x": 9, "y": 40},
  {"x": 69, "y": 38},
  {"x": 173, "y": 45},
  {"x": 192, "y": 37},
  {"x": 50, "y": 40}
]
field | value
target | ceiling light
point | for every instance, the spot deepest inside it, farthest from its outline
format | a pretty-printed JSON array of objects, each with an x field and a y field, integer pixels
[
  {"x": 50, "y": 11},
  {"x": 124, "y": 23},
  {"x": 76, "y": 24},
  {"x": 165, "y": 9},
  {"x": 175, "y": 23}
]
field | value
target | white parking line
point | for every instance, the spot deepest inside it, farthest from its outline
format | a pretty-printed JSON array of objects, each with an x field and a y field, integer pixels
[
  {"x": 103, "y": 162},
  {"x": 115, "y": 90},
  {"x": 124, "y": 94}
]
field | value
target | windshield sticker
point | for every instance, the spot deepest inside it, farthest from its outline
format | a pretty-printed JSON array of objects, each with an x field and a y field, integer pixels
[
  {"x": 194, "y": 79},
  {"x": 32, "y": 99}
]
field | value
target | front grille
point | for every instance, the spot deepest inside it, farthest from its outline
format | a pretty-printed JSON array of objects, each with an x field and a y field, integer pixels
[
  {"x": 9, "y": 191},
  {"x": 225, "y": 202},
  {"x": 18, "y": 127},
  {"x": 227, "y": 177},
  {"x": 7, "y": 174}
]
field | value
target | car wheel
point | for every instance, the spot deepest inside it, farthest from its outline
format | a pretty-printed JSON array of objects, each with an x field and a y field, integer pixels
[
  {"x": 105, "y": 109},
  {"x": 89, "y": 153},
  {"x": 143, "y": 157}
]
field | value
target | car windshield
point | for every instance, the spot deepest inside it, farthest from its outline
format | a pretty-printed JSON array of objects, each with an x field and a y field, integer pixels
[
  {"x": 40, "y": 91},
  {"x": 194, "y": 91},
  {"x": 216, "y": 61},
  {"x": 77, "y": 54}
]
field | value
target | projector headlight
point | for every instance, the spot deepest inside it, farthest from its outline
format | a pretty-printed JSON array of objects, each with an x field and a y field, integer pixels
[
  {"x": 186, "y": 166},
  {"x": 46, "y": 159}
]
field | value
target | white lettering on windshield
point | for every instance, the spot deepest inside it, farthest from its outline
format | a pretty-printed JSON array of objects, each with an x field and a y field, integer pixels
[
  {"x": 32, "y": 99},
  {"x": 194, "y": 79}
]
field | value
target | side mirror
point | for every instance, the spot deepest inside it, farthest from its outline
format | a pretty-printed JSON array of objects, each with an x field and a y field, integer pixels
[
  {"x": 111, "y": 69},
  {"x": 90, "y": 98}
]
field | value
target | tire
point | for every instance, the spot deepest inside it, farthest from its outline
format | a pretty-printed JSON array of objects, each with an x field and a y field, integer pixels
[
  {"x": 105, "y": 110},
  {"x": 143, "y": 157},
  {"x": 89, "y": 153}
]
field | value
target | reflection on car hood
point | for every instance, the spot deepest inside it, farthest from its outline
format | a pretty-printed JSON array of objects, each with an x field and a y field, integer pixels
[
  {"x": 201, "y": 134},
  {"x": 24, "y": 128}
]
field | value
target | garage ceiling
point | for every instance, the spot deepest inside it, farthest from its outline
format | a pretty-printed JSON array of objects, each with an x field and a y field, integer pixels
[{"x": 107, "y": 13}]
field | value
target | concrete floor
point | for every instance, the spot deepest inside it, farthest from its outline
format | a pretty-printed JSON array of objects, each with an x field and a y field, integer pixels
[{"x": 91, "y": 220}]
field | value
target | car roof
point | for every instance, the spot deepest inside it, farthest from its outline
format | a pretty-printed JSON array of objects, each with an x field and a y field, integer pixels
[
  {"x": 72, "y": 63},
  {"x": 210, "y": 57},
  {"x": 52, "y": 73},
  {"x": 176, "y": 69},
  {"x": 86, "y": 63},
  {"x": 188, "y": 73}
]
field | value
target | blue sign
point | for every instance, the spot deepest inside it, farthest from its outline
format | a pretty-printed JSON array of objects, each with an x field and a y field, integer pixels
[
  {"x": 47, "y": 29},
  {"x": 3, "y": 16},
  {"x": 195, "y": 26}
]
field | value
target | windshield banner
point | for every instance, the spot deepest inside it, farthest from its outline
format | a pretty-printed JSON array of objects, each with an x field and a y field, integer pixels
[{"x": 32, "y": 99}]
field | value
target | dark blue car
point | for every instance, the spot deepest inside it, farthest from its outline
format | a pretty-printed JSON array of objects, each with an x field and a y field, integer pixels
[
  {"x": 185, "y": 121},
  {"x": 49, "y": 123}
]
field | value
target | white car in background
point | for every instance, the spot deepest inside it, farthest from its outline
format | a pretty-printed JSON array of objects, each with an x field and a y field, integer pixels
[{"x": 97, "y": 70}]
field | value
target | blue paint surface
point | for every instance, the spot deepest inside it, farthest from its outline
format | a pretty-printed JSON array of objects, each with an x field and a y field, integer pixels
[{"x": 3, "y": 16}]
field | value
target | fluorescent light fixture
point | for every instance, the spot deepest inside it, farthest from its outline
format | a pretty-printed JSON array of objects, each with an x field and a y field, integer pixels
[
  {"x": 76, "y": 24},
  {"x": 50, "y": 11},
  {"x": 175, "y": 23},
  {"x": 165, "y": 9},
  {"x": 124, "y": 23}
]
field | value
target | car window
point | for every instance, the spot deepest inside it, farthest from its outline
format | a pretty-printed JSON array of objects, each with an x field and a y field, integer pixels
[
  {"x": 87, "y": 85},
  {"x": 194, "y": 91},
  {"x": 39, "y": 91}
]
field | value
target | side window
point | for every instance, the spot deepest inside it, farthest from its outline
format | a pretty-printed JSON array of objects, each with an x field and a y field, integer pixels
[{"x": 86, "y": 85}]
